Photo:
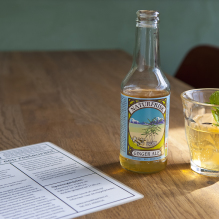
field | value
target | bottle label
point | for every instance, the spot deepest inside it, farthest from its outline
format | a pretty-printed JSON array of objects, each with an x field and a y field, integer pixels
[{"x": 144, "y": 128}]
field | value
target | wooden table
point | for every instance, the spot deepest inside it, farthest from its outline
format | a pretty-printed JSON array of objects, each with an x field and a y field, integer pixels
[{"x": 72, "y": 99}]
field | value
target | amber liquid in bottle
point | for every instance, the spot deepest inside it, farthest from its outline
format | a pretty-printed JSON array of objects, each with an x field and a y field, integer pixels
[
  {"x": 144, "y": 80},
  {"x": 144, "y": 166}
]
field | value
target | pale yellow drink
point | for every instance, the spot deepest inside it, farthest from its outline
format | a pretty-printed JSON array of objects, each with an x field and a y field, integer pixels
[{"x": 203, "y": 140}]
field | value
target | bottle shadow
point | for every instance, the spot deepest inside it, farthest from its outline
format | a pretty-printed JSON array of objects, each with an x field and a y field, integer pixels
[{"x": 178, "y": 177}]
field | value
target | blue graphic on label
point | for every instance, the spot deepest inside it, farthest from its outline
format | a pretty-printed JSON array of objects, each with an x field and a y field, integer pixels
[{"x": 144, "y": 128}]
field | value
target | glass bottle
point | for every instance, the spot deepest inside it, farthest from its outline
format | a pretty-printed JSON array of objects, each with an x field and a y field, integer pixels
[{"x": 145, "y": 101}]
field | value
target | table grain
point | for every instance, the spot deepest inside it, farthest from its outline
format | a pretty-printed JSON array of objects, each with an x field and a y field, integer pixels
[{"x": 72, "y": 99}]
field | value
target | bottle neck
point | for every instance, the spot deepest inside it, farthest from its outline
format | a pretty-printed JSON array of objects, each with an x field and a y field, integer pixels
[{"x": 146, "y": 53}]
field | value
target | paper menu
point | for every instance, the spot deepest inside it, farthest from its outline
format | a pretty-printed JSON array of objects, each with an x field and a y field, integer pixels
[{"x": 45, "y": 181}]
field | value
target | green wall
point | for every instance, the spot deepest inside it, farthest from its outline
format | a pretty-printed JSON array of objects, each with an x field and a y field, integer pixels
[{"x": 106, "y": 24}]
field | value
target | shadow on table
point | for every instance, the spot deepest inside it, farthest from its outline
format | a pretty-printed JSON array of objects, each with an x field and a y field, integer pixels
[
  {"x": 114, "y": 169},
  {"x": 175, "y": 177},
  {"x": 186, "y": 179}
]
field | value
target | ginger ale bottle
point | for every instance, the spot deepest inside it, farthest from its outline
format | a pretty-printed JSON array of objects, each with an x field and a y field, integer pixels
[{"x": 145, "y": 101}]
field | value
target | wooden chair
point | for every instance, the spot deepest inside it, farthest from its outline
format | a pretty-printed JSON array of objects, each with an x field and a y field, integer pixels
[{"x": 200, "y": 67}]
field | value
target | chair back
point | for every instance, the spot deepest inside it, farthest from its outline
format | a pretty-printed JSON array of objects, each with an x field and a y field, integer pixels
[{"x": 200, "y": 67}]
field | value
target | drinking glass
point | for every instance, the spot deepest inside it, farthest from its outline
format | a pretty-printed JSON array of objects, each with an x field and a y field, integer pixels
[{"x": 202, "y": 132}]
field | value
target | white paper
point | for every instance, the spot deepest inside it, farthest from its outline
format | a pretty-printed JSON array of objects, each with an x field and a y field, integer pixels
[{"x": 45, "y": 181}]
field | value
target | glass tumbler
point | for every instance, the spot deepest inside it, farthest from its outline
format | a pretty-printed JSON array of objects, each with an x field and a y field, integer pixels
[{"x": 202, "y": 132}]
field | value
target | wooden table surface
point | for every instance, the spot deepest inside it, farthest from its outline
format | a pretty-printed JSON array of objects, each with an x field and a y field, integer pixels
[{"x": 72, "y": 99}]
